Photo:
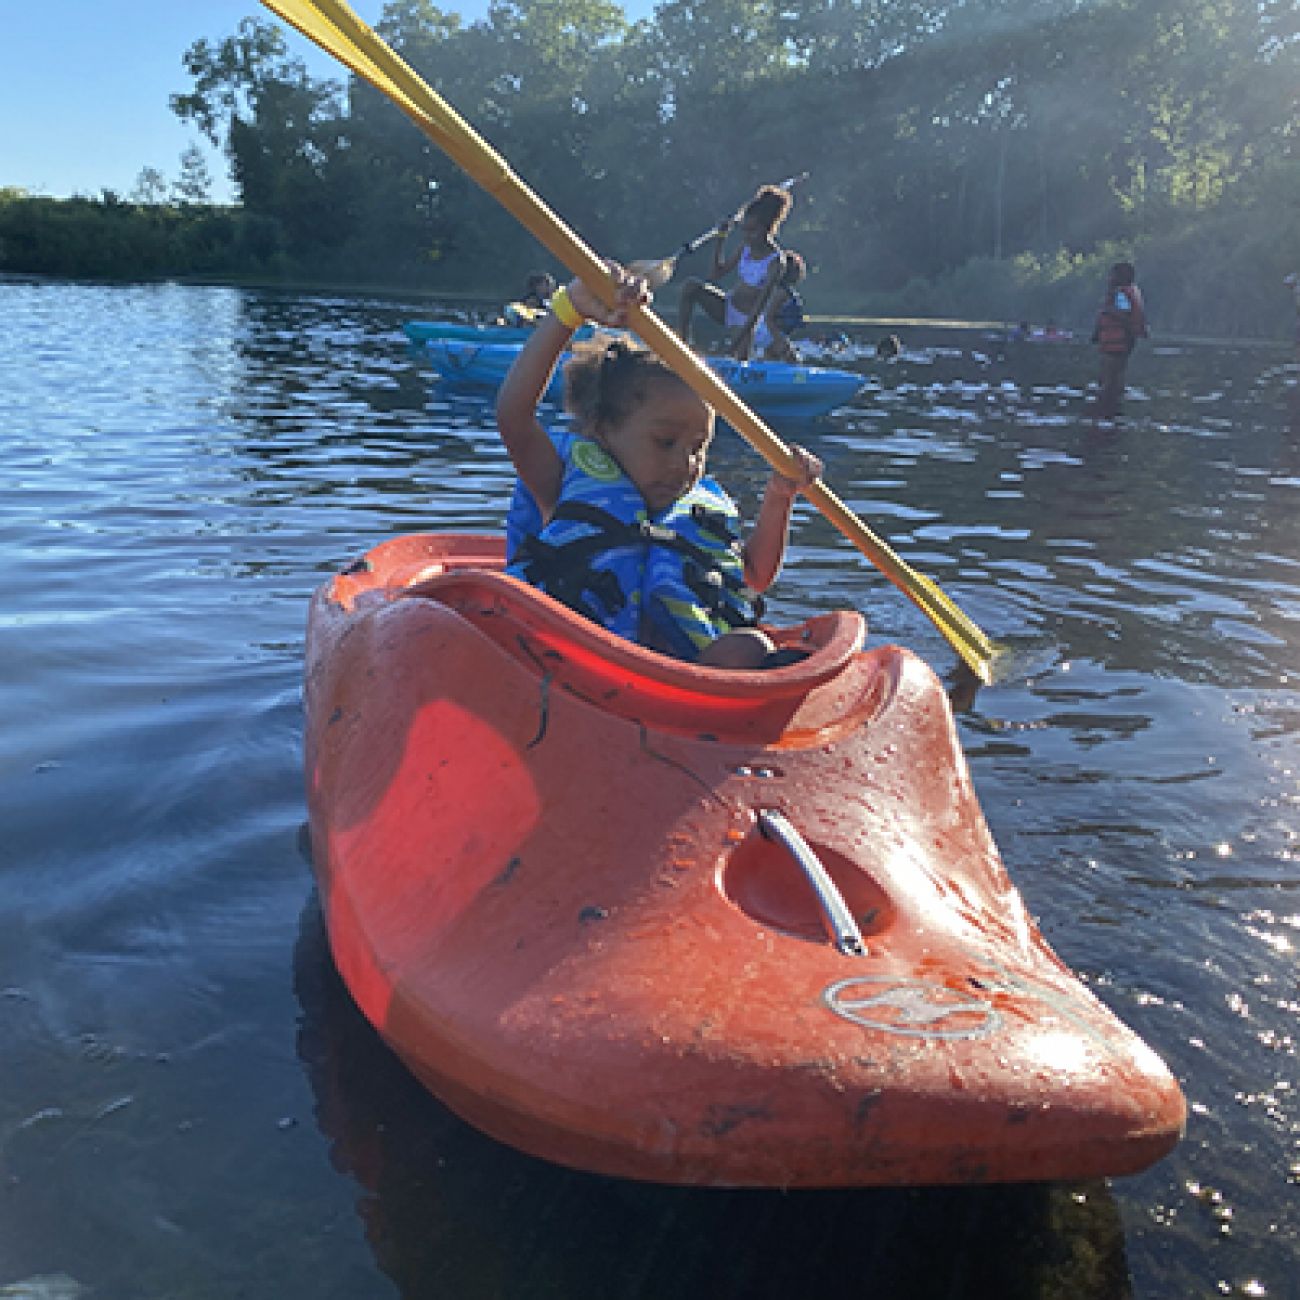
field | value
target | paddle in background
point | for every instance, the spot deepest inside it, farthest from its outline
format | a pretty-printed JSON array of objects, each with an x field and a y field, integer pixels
[
  {"x": 333, "y": 26},
  {"x": 657, "y": 272}
]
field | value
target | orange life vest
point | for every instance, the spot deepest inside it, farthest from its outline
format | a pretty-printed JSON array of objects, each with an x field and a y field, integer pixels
[{"x": 1122, "y": 319}]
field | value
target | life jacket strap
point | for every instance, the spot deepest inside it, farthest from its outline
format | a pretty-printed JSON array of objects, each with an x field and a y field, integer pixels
[
  {"x": 564, "y": 569},
  {"x": 565, "y": 572}
]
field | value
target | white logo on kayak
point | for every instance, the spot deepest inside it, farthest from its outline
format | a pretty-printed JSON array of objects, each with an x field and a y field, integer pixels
[{"x": 913, "y": 1008}]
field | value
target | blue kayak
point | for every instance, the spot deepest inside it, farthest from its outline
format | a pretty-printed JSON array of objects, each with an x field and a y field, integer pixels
[
  {"x": 421, "y": 331},
  {"x": 770, "y": 388}
]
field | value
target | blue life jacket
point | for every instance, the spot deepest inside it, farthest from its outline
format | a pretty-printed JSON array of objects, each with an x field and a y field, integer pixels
[
  {"x": 523, "y": 518},
  {"x": 694, "y": 586},
  {"x": 674, "y": 582}
]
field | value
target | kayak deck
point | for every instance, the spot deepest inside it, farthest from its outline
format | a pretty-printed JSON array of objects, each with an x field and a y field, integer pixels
[{"x": 548, "y": 883}]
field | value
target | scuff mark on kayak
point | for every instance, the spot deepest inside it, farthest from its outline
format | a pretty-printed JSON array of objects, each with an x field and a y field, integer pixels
[
  {"x": 543, "y": 710},
  {"x": 862, "y": 1112},
  {"x": 649, "y": 752},
  {"x": 546, "y": 676},
  {"x": 722, "y": 1119}
]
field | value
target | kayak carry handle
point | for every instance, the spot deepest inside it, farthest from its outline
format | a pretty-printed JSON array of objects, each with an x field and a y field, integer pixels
[{"x": 841, "y": 928}]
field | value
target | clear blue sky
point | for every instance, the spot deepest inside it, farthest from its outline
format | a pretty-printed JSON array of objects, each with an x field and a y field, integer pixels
[{"x": 84, "y": 86}]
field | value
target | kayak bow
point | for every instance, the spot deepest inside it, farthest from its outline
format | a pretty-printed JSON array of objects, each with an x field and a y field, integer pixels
[{"x": 690, "y": 925}]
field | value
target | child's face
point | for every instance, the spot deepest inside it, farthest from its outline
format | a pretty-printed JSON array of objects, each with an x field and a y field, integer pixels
[{"x": 664, "y": 443}]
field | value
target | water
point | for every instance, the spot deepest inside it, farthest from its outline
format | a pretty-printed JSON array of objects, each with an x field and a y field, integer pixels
[{"x": 191, "y": 1107}]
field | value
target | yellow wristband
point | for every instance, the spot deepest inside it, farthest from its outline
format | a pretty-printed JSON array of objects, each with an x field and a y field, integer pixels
[{"x": 564, "y": 311}]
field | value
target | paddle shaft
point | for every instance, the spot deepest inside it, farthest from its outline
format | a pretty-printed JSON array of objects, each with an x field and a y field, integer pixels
[{"x": 333, "y": 25}]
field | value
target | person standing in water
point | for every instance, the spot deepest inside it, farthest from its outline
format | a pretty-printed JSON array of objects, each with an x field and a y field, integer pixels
[
  {"x": 1120, "y": 323},
  {"x": 757, "y": 263}
]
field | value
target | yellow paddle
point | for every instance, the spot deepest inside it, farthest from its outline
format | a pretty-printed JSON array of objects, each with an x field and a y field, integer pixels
[{"x": 335, "y": 28}]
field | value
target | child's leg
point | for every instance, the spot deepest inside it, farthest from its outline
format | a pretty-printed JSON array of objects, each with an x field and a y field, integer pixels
[
  {"x": 708, "y": 297},
  {"x": 779, "y": 347},
  {"x": 781, "y": 322},
  {"x": 1110, "y": 385}
]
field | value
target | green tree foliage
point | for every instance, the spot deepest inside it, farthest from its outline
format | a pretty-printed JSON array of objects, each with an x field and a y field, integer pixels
[
  {"x": 194, "y": 185},
  {"x": 150, "y": 186},
  {"x": 958, "y": 148},
  {"x": 108, "y": 239},
  {"x": 283, "y": 131}
]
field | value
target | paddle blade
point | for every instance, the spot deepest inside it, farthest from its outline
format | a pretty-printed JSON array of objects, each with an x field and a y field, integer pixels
[
  {"x": 656, "y": 274},
  {"x": 977, "y": 651}
]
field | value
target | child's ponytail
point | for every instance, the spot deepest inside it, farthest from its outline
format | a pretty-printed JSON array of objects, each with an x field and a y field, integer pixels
[{"x": 607, "y": 379}]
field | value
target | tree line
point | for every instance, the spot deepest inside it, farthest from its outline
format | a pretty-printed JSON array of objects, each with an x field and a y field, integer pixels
[{"x": 977, "y": 158}]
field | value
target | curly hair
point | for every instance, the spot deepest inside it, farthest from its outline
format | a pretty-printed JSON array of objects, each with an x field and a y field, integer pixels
[
  {"x": 771, "y": 205},
  {"x": 607, "y": 379}
]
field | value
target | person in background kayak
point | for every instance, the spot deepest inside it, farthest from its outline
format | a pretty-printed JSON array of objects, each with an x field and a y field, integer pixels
[
  {"x": 633, "y": 533},
  {"x": 529, "y": 309},
  {"x": 757, "y": 262},
  {"x": 779, "y": 318},
  {"x": 1120, "y": 323}
]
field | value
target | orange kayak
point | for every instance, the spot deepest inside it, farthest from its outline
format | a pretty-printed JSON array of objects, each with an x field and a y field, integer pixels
[{"x": 684, "y": 924}]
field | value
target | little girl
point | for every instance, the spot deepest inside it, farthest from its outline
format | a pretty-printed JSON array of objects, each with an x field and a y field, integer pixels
[
  {"x": 633, "y": 534},
  {"x": 757, "y": 262}
]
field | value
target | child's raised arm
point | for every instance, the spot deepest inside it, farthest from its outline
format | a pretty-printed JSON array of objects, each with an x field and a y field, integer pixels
[
  {"x": 535, "y": 458},
  {"x": 724, "y": 263},
  {"x": 765, "y": 546}
]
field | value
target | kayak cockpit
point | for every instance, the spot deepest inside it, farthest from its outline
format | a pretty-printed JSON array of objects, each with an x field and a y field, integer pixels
[
  {"x": 463, "y": 573},
  {"x": 626, "y": 679}
]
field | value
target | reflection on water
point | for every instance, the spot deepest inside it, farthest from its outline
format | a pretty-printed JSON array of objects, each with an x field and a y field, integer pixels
[{"x": 181, "y": 466}]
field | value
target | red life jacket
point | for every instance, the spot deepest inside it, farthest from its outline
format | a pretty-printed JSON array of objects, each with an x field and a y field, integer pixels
[{"x": 1122, "y": 319}]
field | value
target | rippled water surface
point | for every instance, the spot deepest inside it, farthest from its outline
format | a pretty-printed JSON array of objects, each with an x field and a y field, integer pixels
[{"x": 192, "y": 1108}]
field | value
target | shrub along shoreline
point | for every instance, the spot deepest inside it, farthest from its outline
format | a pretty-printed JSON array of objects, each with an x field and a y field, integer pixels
[{"x": 1215, "y": 279}]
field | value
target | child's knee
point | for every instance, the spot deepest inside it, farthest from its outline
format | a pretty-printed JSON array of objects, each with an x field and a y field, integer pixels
[{"x": 747, "y": 647}]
